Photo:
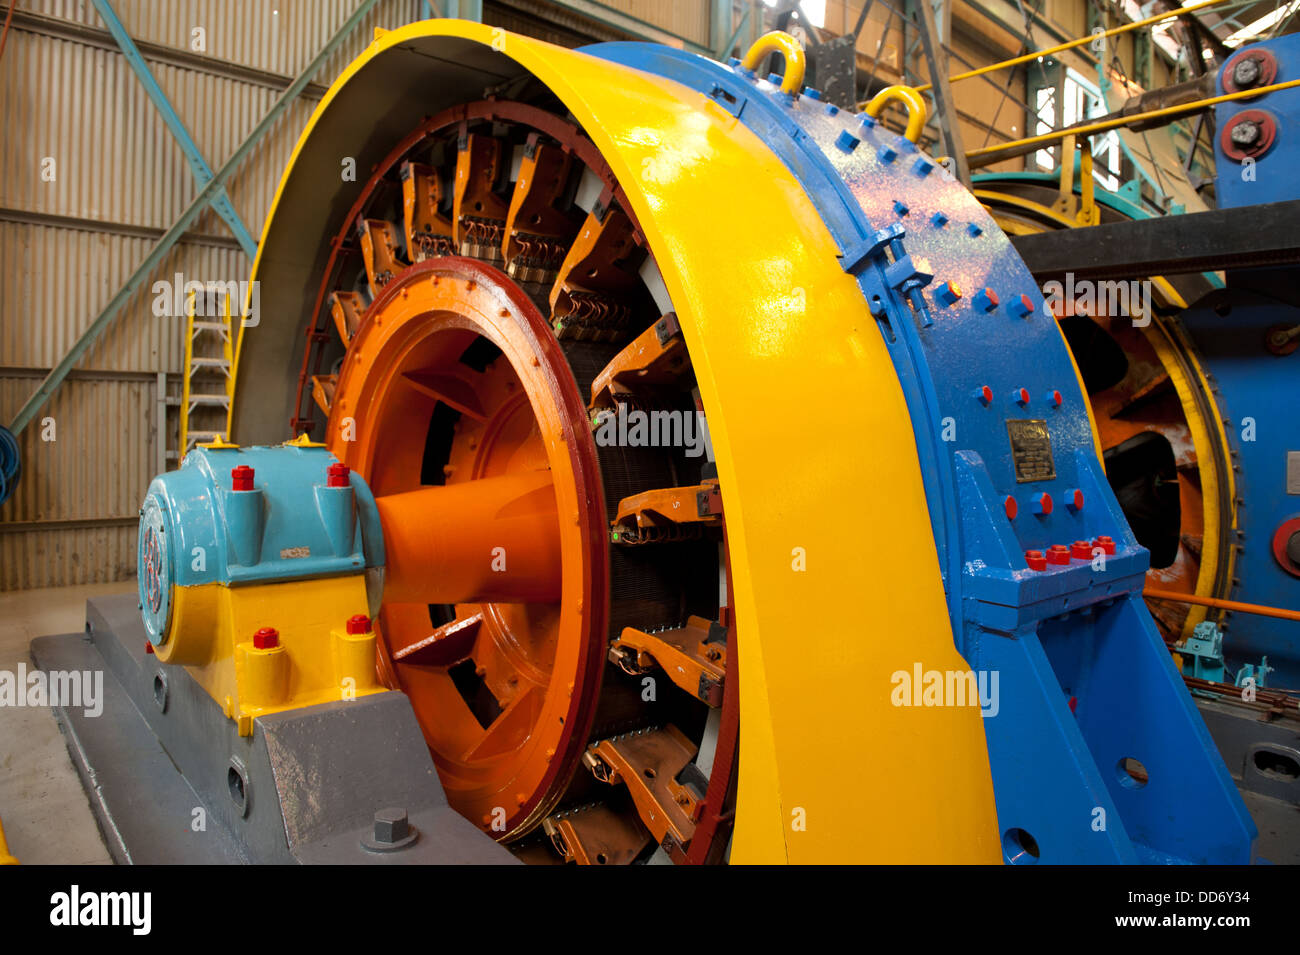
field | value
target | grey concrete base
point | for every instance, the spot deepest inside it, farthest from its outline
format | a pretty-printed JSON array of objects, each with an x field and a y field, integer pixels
[
  {"x": 1264, "y": 761},
  {"x": 171, "y": 781}
]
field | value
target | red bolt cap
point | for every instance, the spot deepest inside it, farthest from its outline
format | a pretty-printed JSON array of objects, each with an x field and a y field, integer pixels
[
  {"x": 268, "y": 638},
  {"x": 337, "y": 475},
  {"x": 985, "y": 394},
  {"x": 1074, "y": 701},
  {"x": 1035, "y": 560},
  {"x": 1021, "y": 395},
  {"x": 1105, "y": 543},
  {"x": 1012, "y": 508},
  {"x": 148, "y": 647},
  {"x": 1076, "y": 499},
  {"x": 1081, "y": 550},
  {"x": 1044, "y": 504},
  {"x": 359, "y": 623},
  {"x": 1058, "y": 554},
  {"x": 241, "y": 478}
]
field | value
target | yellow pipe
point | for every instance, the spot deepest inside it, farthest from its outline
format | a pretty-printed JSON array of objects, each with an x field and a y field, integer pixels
[
  {"x": 1071, "y": 44},
  {"x": 795, "y": 61},
  {"x": 5, "y": 857},
  {"x": 915, "y": 108},
  {"x": 1102, "y": 125}
]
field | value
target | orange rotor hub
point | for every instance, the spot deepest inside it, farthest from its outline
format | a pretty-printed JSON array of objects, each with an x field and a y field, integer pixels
[{"x": 495, "y": 595}]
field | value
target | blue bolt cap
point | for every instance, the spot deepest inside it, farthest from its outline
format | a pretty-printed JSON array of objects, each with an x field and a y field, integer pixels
[
  {"x": 900, "y": 208},
  {"x": 733, "y": 61},
  {"x": 1021, "y": 307},
  {"x": 866, "y": 120},
  {"x": 974, "y": 230},
  {"x": 946, "y": 294},
  {"x": 887, "y": 153},
  {"x": 846, "y": 141},
  {"x": 939, "y": 220},
  {"x": 774, "y": 79},
  {"x": 812, "y": 93},
  {"x": 922, "y": 166},
  {"x": 831, "y": 109},
  {"x": 985, "y": 300}
]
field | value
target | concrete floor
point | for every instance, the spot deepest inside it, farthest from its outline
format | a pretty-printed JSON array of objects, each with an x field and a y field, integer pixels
[{"x": 47, "y": 817}]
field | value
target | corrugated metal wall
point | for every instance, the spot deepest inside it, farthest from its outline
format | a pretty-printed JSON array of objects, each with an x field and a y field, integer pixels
[
  {"x": 67, "y": 245},
  {"x": 68, "y": 95}
]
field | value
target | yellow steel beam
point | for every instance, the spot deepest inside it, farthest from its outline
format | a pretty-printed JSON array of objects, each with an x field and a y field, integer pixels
[
  {"x": 1080, "y": 41},
  {"x": 1181, "y": 109}
]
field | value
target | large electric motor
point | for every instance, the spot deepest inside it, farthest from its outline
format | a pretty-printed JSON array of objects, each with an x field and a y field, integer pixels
[{"x": 686, "y": 397}]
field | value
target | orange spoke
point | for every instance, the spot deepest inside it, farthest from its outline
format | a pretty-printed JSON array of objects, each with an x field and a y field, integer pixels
[
  {"x": 445, "y": 645},
  {"x": 456, "y": 391}
]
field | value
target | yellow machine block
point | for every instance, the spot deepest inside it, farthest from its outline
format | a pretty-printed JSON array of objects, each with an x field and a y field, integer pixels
[{"x": 315, "y": 660}]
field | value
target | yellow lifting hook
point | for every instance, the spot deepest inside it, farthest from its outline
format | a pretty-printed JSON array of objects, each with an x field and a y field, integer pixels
[
  {"x": 795, "y": 60},
  {"x": 916, "y": 111}
]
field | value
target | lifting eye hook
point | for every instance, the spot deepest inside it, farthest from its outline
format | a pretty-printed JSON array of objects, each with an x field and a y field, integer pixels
[
  {"x": 916, "y": 111},
  {"x": 796, "y": 63}
]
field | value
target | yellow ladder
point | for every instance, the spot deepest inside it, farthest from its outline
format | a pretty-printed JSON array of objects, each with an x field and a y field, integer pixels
[{"x": 209, "y": 382}]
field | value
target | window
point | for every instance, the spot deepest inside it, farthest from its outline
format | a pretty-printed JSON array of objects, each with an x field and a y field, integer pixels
[
  {"x": 814, "y": 9},
  {"x": 1081, "y": 100}
]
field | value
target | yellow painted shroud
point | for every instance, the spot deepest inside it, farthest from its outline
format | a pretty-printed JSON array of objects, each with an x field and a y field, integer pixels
[{"x": 837, "y": 580}]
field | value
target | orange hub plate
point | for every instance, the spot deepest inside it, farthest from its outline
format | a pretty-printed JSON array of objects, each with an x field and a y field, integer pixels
[{"x": 495, "y": 592}]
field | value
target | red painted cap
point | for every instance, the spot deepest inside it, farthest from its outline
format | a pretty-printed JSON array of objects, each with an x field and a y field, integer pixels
[
  {"x": 1012, "y": 508},
  {"x": 1076, "y": 499},
  {"x": 337, "y": 475},
  {"x": 359, "y": 623},
  {"x": 1081, "y": 550},
  {"x": 1105, "y": 543},
  {"x": 1035, "y": 560},
  {"x": 148, "y": 647},
  {"x": 986, "y": 394},
  {"x": 1045, "y": 504},
  {"x": 268, "y": 638},
  {"x": 1058, "y": 554},
  {"x": 241, "y": 478}
]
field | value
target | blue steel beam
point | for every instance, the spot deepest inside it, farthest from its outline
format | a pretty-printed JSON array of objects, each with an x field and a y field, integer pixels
[
  {"x": 202, "y": 171},
  {"x": 723, "y": 51},
  {"x": 178, "y": 228}
]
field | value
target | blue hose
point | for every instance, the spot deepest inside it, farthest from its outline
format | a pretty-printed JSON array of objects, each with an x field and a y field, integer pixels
[{"x": 10, "y": 465}]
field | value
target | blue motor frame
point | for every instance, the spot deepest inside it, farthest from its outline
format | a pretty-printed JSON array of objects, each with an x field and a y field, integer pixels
[{"x": 1087, "y": 684}]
